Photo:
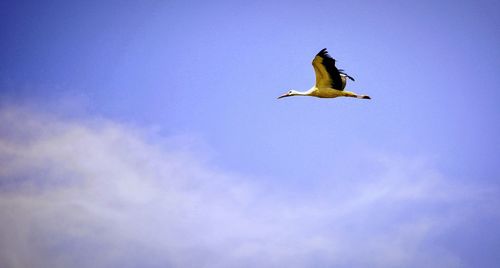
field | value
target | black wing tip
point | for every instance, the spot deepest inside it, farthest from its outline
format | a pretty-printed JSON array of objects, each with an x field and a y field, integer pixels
[{"x": 324, "y": 53}]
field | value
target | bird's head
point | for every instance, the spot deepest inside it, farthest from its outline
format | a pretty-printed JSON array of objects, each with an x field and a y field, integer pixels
[{"x": 290, "y": 93}]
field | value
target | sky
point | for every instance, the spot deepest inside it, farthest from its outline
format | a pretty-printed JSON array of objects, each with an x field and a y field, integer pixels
[{"x": 149, "y": 134}]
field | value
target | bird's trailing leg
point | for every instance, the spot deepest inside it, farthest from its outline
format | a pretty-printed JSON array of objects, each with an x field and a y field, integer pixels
[
  {"x": 363, "y": 97},
  {"x": 354, "y": 95}
]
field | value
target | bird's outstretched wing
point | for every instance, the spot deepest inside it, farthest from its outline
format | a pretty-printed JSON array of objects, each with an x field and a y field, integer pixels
[{"x": 327, "y": 75}]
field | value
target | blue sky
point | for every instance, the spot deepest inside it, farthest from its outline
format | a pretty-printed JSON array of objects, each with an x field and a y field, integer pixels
[{"x": 170, "y": 108}]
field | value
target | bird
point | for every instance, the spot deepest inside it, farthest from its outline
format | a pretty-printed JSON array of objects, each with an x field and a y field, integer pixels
[{"x": 330, "y": 81}]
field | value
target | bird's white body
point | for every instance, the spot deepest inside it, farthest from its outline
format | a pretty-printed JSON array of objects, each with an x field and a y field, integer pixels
[
  {"x": 330, "y": 81},
  {"x": 327, "y": 92},
  {"x": 324, "y": 92}
]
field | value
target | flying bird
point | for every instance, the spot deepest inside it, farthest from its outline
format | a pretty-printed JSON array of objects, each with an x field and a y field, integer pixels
[{"x": 330, "y": 81}]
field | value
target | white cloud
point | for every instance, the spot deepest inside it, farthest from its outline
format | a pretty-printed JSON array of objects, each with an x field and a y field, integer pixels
[{"x": 83, "y": 193}]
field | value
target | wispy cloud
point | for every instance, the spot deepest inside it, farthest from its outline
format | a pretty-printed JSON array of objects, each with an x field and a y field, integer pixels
[{"x": 94, "y": 193}]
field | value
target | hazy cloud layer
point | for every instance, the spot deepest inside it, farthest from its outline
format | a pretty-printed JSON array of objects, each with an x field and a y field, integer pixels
[{"x": 93, "y": 193}]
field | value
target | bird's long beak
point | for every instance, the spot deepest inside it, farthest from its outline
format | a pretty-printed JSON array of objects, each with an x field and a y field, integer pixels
[{"x": 284, "y": 95}]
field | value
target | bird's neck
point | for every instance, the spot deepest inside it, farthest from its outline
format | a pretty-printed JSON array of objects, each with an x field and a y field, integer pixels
[{"x": 303, "y": 93}]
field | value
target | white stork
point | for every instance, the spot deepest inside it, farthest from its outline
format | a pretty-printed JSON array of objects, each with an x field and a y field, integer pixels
[{"x": 330, "y": 81}]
